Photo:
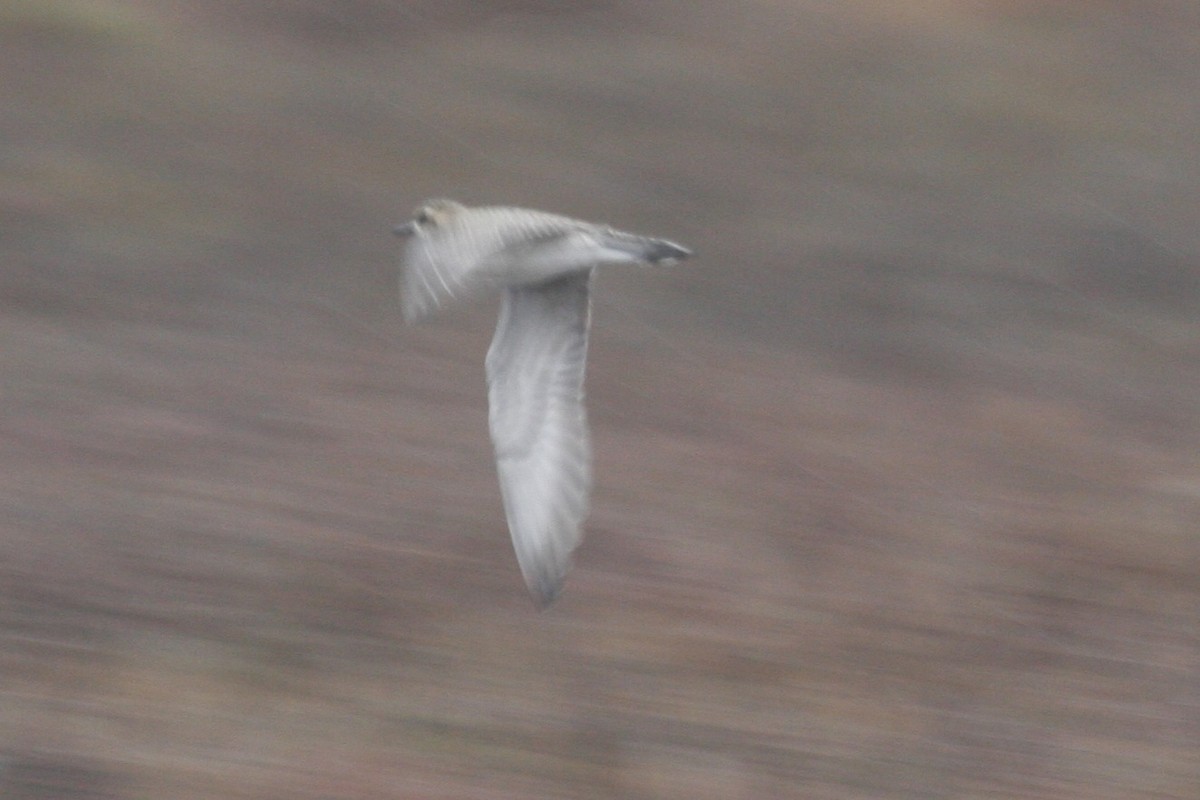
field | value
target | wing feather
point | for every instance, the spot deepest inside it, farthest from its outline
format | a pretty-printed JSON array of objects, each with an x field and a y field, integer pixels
[
  {"x": 535, "y": 370},
  {"x": 471, "y": 252}
]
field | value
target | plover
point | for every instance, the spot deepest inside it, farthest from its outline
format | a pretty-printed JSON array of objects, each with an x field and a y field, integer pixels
[{"x": 535, "y": 366}]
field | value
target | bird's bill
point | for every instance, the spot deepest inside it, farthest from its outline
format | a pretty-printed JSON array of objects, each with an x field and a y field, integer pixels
[{"x": 407, "y": 229}]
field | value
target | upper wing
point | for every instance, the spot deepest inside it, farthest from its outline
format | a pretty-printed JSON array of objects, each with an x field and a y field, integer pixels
[
  {"x": 470, "y": 252},
  {"x": 535, "y": 370}
]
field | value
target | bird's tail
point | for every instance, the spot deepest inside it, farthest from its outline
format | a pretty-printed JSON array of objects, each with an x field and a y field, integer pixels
[{"x": 644, "y": 248}]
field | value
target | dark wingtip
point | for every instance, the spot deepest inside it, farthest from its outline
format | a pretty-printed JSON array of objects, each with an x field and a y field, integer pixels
[
  {"x": 545, "y": 588},
  {"x": 545, "y": 594},
  {"x": 662, "y": 250}
]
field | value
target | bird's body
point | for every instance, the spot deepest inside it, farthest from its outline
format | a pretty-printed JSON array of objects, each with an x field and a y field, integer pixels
[{"x": 535, "y": 365}]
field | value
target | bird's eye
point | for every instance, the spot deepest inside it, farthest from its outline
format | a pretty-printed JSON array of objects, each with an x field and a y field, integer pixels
[{"x": 424, "y": 217}]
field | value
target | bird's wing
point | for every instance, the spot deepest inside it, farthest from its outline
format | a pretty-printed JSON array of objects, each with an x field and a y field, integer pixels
[
  {"x": 535, "y": 369},
  {"x": 463, "y": 256}
]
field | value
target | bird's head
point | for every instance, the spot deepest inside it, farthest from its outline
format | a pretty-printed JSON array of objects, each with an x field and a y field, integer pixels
[{"x": 430, "y": 214}]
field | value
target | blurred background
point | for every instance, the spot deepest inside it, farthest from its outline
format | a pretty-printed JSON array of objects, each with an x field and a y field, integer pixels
[{"x": 897, "y": 482}]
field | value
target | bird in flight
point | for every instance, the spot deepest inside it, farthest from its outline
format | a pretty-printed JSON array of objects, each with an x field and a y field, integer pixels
[{"x": 535, "y": 366}]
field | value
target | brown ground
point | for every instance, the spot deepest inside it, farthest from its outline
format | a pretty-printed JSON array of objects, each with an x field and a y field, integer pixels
[{"x": 898, "y": 483}]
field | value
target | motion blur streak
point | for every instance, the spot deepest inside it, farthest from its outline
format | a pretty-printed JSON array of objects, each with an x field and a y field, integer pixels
[{"x": 900, "y": 484}]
